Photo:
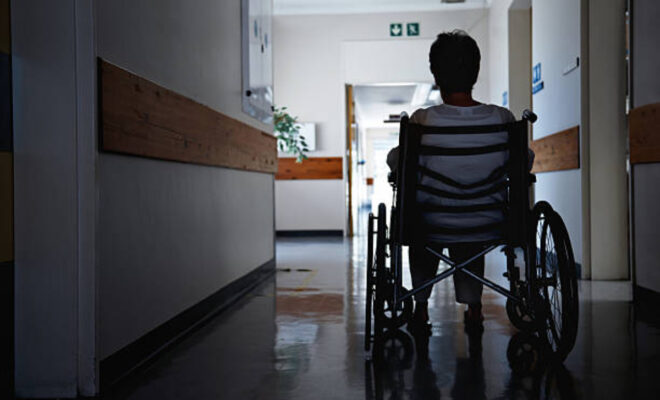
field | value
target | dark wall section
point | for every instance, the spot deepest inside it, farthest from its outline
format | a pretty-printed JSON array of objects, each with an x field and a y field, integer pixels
[
  {"x": 645, "y": 63},
  {"x": 6, "y": 211}
]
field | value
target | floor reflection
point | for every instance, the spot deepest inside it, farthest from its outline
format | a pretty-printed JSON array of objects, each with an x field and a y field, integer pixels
[
  {"x": 403, "y": 368},
  {"x": 300, "y": 336}
]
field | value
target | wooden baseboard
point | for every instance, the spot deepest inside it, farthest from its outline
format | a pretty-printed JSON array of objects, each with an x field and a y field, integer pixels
[
  {"x": 144, "y": 350},
  {"x": 557, "y": 152},
  {"x": 644, "y": 123},
  {"x": 141, "y": 118},
  {"x": 312, "y": 168}
]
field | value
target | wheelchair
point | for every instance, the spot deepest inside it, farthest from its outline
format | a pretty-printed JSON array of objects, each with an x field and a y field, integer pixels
[{"x": 542, "y": 299}]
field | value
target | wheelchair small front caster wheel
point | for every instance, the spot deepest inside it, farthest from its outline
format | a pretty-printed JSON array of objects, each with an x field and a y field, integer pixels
[
  {"x": 394, "y": 348},
  {"x": 519, "y": 316},
  {"x": 525, "y": 353},
  {"x": 394, "y": 317}
]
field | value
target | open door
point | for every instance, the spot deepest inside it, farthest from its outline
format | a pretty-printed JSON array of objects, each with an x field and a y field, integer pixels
[{"x": 351, "y": 160}]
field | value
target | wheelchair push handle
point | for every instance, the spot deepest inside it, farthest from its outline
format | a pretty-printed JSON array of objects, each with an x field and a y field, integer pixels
[
  {"x": 391, "y": 177},
  {"x": 528, "y": 115}
]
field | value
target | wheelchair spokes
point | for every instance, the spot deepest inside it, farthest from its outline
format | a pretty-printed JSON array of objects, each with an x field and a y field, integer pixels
[
  {"x": 555, "y": 281},
  {"x": 383, "y": 306},
  {"x": 370, "y": 282}
]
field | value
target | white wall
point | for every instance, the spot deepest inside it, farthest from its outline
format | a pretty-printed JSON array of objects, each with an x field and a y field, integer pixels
[
  {"x": 53, "y": 115},
  {"x": 555, "y": 42},
  {"x": 608, "y": 198},
  {"x": 591, "y": 200},
  {"x": 645, "y": 55},
  {"x": 647, "y": 235},
  {"x": 293, "y": 199},
  {"x": 185, "y": 46},
  {"x": 520, "y": 56},
  {"x": 646, "y": 195},
  {"x": 171, "y": 234},
  {"x": 498, "y": 42},
  {"x": 315, "y": 56}
]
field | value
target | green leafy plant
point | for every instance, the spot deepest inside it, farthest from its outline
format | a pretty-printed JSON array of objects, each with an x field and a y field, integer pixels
[{"x": 287, "y": 132}]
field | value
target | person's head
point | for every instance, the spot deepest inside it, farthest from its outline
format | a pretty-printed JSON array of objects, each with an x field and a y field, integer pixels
[{"x": 455, "y": 60}]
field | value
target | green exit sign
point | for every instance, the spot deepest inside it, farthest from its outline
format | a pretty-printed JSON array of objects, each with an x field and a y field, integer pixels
[
  {"x": 413, "y": 28},
  {"x": 396, "y": 29}
]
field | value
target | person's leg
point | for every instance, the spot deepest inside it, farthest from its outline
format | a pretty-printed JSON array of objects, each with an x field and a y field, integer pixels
[
  {"x": 468, "y": 290},
  {"x": 423, "y": 266}
]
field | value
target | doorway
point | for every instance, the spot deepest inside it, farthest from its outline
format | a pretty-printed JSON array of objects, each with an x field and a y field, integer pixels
[{"x": 373, "y": 112}]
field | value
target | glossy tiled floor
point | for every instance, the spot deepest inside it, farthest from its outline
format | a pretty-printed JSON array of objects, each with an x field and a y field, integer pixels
[{"x": 300, "y": 336}]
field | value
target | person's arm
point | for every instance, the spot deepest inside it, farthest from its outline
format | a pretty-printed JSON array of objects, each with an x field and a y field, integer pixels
[{"x": 393, "y": 155}]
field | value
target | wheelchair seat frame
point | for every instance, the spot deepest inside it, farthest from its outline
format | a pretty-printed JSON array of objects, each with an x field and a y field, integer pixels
[{"x": 544, "y": 302}]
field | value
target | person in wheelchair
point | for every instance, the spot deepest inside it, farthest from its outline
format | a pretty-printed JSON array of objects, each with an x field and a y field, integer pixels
[{"x": 454, "y": 62}]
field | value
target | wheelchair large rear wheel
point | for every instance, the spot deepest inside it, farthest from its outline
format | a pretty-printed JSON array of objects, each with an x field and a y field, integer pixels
[
  {"x": 380, "y": 279},
  {"x": 555, "y": 282},
  {"x": 369, "y": 283},
  {"x": 386, "y": 313}
]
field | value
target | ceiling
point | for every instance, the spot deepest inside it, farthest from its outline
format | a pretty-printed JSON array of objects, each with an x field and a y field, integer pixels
[
  {"x": 293, "y": 7},
  {"x": 375, "y": 103}
]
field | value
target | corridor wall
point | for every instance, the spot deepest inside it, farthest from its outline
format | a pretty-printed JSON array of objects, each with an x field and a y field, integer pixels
[
  {"x": 6, "y": 206},
  {"x": 110, "y": 247},
  {"x": 54, "y": 188},
  {"x": 646, "y": 193},
  {"x": 315, "y": 56},
  {"x": 555, "y": 42},
  {"x": 578, "y": 52},
  {"x": 171, "y": 234},
  {"x": 498, "y": 43}
]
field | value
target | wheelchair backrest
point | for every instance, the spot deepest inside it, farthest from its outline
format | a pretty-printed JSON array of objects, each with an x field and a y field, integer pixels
[{"x": 450, "y": 190}]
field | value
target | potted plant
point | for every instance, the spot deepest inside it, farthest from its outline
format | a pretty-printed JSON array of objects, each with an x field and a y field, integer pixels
[{"x": 287, "y": 132}]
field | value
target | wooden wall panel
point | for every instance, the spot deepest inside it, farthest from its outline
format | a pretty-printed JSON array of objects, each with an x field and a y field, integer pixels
[
  {"x": 557, "y": 152},
  {"x": 141, "y": 118},
  {"x": 644, "y": 135},
  {"x": 312, "y": 168}
]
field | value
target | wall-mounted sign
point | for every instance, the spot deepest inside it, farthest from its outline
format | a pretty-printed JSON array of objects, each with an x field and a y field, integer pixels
[
  {"x": 396, "y": 29},
  {"x": 536, "y": 73},
  {"x": 257, "y": 59},
  {"x": 537, "y": 87},
  {"x": 412, "y": 28},
  {"x": 505, "y": 98}
]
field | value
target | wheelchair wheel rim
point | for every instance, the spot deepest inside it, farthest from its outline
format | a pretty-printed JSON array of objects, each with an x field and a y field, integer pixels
[{"x": 549, "y": 257}]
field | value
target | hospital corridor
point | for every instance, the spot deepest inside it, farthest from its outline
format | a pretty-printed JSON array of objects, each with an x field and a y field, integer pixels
[{"x": 329, "y": 199}]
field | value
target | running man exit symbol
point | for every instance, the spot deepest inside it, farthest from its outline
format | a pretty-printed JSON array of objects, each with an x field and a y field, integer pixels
[
  {"x": 536, "y": 73},
  {"x": 396, "y": 29},
  {"x": 413, "y": 28}
]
